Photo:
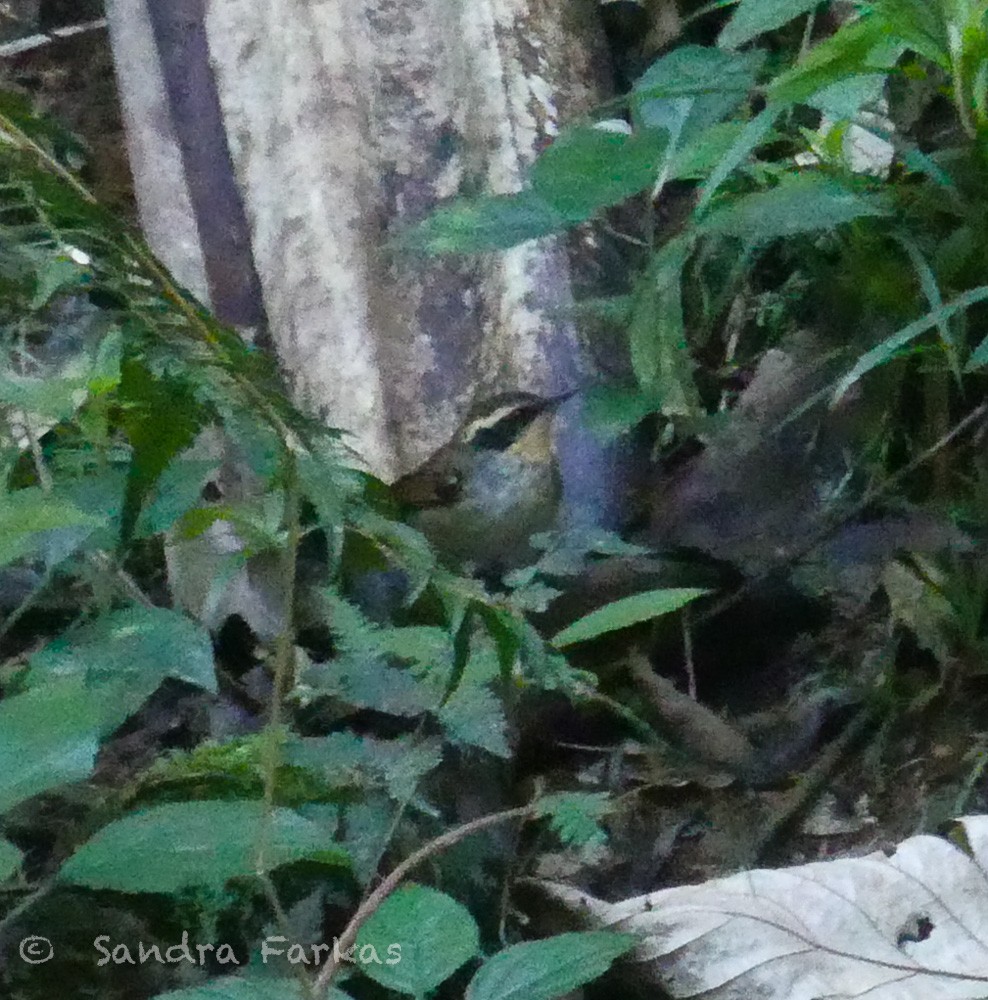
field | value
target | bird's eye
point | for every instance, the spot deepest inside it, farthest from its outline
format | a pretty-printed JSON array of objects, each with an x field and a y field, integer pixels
[{"x": 449, "y": 489}]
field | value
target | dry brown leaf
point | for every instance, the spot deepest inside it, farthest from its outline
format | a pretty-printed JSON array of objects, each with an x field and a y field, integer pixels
[{"x": 909, "y": 926}]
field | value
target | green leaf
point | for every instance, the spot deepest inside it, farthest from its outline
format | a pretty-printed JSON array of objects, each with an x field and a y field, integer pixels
[
  {"x": 27, "y": 515},
  {"x": 161, "y": 418},
  {"x": 843, "y": 100},
  {"x": 234, "y": 988},
  {"x": 98, "y": 493},
  {"x": 693, "y": 88},
  {"x": 627, "y": 611},
  {"x": 474, "y": 716},
  {"x": 130, "y": 652},
  {"x": 401, "y": 541},
  {"x": 545, "y": 970},
  {"x": 171, "y": 847},
  {"x": 345, "y": 759},
  {"x": 434, "y": 935},
  {"x": 920, "y": 24},
  {"x": 587, "y": 169},
  {"x": 365, "y": 681},
  {"x": 178, "y": 490},
  {"x": 48, "y": 737},
  {"x": 698, "y": 157},
  {"x": 800, "y": 203},
  {"x": 659, "y": 352},
  {"x": 752, "y": 18},
  {"x": 367, "y": 833},
  {"x": 54, "y": 274},
  {"x": 611, "y": 411},
  {"x": 754, "y": 133},
  {"x": 891, "y": 346},
  {"x": 59, "y": 390},
  {"x": 575, "y": 816},
  {"x": 862, "y": 46},
  {"x": 10, "y": 860},
  {"x": 493, "y": 222}
]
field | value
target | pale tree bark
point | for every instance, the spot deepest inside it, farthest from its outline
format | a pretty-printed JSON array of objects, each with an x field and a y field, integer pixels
[{"x": 340, "y": 123}]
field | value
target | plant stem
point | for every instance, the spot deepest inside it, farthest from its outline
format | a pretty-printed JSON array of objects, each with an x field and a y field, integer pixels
[{"x": 392, "y": 881}]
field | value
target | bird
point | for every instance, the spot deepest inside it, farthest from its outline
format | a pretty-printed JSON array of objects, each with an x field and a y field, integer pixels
[{"x": 481, "y": 496}]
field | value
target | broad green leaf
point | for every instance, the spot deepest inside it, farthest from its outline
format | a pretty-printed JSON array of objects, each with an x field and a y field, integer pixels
[
  {"x": 367, "y": 833},
  {"x": 587, "y": 169},
  {"x": 171, "y": 847},
  {"x": 52, "y": 397},
  {"x": 10, "y": 860},
  {"x": 365, "y": 681},
  {"x": 178, "y": 490},
  {"x": 493, "y": 222},
  {"x": 27, "y": 515},
  {"x": 800, "y": 203},
  {"x": 698, "y": 157},
  {"x": 920, "y": 24},
  {"x": 161, "y": 418},
  {"x": 345, "y": 759},
  {"x": 863, "y": 46},
  {"x": 754, "y": 133},
  {"x": 627, "y": 611},
  {"x": 693, "y": 88},
  {"x": 48, "y": 737},
  {"x": 474, "y": 716},
  {"x": 891, "y": 346},
  {"x": 234, "y": 988},
  {"x": 659, "y": 352},
  {"x": 129, "y": 653},
  {"x": 548, "y": 969},
  {"x": 611, "y": 411},
  {"x": 843, "y": 100},
  {"x": 752, "y": 18},
  {"x": 433, "y": 934},
  {"x": 54, "y": 274},
  {"x": 98, "y": 493}
]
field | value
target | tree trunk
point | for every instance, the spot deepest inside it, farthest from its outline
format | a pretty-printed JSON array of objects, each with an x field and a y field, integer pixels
[{"x": 341, "y": 123}]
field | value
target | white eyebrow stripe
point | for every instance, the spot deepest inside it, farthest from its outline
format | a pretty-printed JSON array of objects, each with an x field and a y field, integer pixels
[{"x": 493, "y": 419}]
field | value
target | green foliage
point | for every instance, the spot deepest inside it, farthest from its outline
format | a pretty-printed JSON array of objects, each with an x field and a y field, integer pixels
[
  {"x": 48, "y": 737},
  {"x": 234, "y": 988},
  {"x": 112, "y": 372},
  {"x": 625, "y": 612},
  {"x": 575, "y": 817},
  {"x": 30, "y": 518},
  {"x": 113, "y": 384},
  {"x": 10, "y": 859},
  {"x": 545, "y": 970},
  {"x": 589, "y": 169},
  {"x": 420, "y": 937},
  {"x": 752, "y": 18},
  {"x": 171, "y": 847},
  {"x": 128, "y": 653}
]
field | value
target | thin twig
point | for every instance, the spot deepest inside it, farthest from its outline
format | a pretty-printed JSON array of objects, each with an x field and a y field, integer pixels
[
  {"x": 284, "y": 663},
  {"x": 697, "y": 728},
  {"x": 688, "y": 654},
  {"x": 811, "y": 783},
  {"x": 389, "y": 884}
]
